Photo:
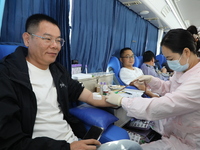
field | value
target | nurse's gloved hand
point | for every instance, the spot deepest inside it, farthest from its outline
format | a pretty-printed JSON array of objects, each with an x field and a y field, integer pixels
[
  {"x": 144, "y": 78},
  {"x": 113, "y": 98}
]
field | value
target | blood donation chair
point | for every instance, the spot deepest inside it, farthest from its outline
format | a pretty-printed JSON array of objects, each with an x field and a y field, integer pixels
[
  {"x": 115, "y": 66},
  {"x": 88, "y": 114}
]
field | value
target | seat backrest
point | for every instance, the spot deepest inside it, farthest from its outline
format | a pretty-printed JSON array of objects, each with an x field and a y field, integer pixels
[
  {"x": 140, "y": 58},
  {"x": 161, "y": 58},
  {"x": 115, "y": 65},
  {"x": 136, "y": 62},
  {"x": 6, "y": 49}
]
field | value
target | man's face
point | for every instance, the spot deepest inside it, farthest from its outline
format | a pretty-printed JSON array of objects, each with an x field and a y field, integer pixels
[
  {"x": 43, "y": 52},
  {"x": 127, "y": 58}
]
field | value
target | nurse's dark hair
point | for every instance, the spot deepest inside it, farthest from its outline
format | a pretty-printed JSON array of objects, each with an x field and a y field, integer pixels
[
  {"x": 34, "y": 20},
  {"x": 178, "y": 39},
  {"x": 192, "y": 29},
  {"x": 123, "y": 50}
]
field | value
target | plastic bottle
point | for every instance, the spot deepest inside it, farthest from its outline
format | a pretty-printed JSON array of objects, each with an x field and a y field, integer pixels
[
  {"x": 105, "y": 88},
  {"x": 86, "y": 69},
  {"x": 101, "y": 88},
  {"x": 73, "y": 68}
]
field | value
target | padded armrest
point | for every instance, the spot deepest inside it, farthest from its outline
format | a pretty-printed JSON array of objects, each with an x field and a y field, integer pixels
[{"x": 93, "y": 116}]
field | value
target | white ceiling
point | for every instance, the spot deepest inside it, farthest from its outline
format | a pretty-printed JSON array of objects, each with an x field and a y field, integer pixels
[{"x": 163, "y": 16}]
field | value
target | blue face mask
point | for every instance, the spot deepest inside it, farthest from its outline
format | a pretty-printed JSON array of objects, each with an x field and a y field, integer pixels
[{"x": 176, "y": 66}]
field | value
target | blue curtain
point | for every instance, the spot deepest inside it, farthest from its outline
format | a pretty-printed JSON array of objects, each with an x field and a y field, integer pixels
[
  {"x": 151, "y": 38},
  {"x": 101, "y": 28},
  {"x": 92, "y": 28},
  {"x": 130, "y": 31},
  {"x": 2, "y": 2},
  {"x": 16, "y": 12}
]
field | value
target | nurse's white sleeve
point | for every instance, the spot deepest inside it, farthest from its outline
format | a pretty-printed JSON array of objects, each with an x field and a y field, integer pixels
[
  {"x": 184, "y": 99},
  {"x": 159, "y": 86}
]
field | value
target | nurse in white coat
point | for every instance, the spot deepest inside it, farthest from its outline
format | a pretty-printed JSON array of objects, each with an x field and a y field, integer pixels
[{"x": 178, "y": 108}]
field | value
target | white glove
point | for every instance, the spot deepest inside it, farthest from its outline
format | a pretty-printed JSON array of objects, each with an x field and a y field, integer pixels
[
  {"x": 144, "y": 78},
  {"x": 113, "y": 98}
]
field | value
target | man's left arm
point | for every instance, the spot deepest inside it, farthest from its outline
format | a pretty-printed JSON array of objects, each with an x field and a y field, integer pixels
[{"x": 87, "y": 96}]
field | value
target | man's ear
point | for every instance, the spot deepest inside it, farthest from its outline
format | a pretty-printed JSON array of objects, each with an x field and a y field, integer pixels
[
  {"x": 121, "y": 60},
  {"x": 26, "y": 38},
  {"x": 152, "y": 60}
]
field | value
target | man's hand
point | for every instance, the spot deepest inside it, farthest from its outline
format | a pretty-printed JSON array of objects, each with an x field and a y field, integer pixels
[
  {"x": 164, "y": 70},
  {"x": 114, "y": 99},
  {"x": 89, "y": 144}
]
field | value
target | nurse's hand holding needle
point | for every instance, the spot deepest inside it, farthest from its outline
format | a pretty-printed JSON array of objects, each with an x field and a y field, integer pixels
[
  {"x": 144, "y": 78},
  {"x": 121, "y": 89},
  {"x": 140, "y": 85}
]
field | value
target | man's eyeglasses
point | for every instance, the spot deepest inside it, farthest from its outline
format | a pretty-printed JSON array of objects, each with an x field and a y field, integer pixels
[
  {"x": 49, "y": 40},
  {"x": 128, "y": 57}
]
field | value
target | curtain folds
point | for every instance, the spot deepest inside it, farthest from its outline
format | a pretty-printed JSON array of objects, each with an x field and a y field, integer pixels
[
  {"x": 16, "y": 12},
  {"x": 92, "y": 28},
  {"x": 100, "y": 28},
  {"x": 151, "y": 40}
]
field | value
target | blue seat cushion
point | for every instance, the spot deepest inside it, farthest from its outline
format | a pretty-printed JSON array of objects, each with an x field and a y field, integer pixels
[{"x": 93, "y": 116}]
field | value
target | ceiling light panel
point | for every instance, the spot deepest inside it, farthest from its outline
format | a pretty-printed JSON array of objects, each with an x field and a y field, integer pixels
[{"x": 132, "y": 3}]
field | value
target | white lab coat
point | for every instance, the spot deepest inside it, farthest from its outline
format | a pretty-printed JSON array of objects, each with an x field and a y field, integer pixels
[{"x": 178, "y": 109}]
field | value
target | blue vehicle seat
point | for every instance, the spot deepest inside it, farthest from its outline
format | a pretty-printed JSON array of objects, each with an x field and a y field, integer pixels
[
  {"x": 161, "y": 58},
  {"x": 111, "y": 132},
  {"x": 137, "y": 61},
  {"x": 140, "y": 61},
  {"x": 6, "y": 49},
  {"x": 91, "y": 115},
  {"x": 115, "y": 66}
]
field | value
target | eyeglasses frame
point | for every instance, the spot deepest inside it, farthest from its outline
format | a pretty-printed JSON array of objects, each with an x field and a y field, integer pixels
[
  {"x": 44, "y": 38},
  {"x": 129, "y": 57}
]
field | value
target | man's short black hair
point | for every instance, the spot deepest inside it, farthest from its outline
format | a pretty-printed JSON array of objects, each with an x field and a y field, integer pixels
[
  {"x": 124, "y": 49},
  {"x": 33, "y": 21},
  {"x": 148, "y": 55}
]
